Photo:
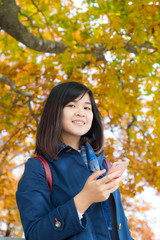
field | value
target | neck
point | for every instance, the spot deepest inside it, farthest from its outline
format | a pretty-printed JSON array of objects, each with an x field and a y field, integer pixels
[{"x": 72, "y": 142}]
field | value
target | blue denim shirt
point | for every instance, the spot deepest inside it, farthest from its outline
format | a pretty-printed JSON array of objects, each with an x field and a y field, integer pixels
[{"x": 55, "y": 217}]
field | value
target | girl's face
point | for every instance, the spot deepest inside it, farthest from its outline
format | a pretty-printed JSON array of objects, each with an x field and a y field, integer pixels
[{"x": 77, "y": 119}]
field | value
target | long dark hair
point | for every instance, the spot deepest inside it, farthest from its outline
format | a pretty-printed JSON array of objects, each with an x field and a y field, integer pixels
[{"x": 50, "y": 126}]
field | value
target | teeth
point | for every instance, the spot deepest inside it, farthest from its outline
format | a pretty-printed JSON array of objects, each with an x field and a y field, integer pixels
[{"x": 79, "y": 122}]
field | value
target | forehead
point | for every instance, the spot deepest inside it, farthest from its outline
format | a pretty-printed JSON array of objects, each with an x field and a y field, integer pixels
[{"x": 83, "y": 98}]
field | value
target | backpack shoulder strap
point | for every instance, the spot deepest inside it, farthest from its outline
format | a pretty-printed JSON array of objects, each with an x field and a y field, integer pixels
[
  {"x": 47, "y": 171},
  {"x": 107, "y": 162}
]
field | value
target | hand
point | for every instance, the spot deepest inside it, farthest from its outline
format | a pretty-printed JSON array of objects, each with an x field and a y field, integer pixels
[{"x": 97, "y": 190}]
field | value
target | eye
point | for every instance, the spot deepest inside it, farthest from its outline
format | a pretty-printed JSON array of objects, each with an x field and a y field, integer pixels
[
  {"x": 71, "y": 105},
  {"x": 87, "y": 108}
]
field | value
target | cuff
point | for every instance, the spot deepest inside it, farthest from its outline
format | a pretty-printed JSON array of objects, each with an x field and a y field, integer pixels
[{"x": 65, "y": 219}]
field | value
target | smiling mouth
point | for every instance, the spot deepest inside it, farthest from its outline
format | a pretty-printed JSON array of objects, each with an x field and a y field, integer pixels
[{"x": 78, "y": 122}]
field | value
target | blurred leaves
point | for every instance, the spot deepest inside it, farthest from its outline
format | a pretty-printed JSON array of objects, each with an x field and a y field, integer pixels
[{"x": 113, "y": 48}]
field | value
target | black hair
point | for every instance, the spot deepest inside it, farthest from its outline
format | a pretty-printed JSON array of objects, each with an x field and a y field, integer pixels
[{"x": 50, "y": 125}]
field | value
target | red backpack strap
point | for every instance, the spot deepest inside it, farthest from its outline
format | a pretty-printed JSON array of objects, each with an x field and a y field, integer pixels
[
  {"x": 107, "y": 163},
  {"x": 47, "y": 171}
]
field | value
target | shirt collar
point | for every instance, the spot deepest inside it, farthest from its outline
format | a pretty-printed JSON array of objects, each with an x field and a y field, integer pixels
[{"x": 63, "y": 146}]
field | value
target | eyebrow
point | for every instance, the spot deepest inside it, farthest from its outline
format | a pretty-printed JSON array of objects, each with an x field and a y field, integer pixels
[{"x": 84, "y": 102}]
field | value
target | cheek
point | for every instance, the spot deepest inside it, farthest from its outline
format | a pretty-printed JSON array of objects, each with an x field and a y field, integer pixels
[
  {"x": 65, "y": 115},
  {"x": 64, "y": 120},
  {"x": 91, "y": 119}
]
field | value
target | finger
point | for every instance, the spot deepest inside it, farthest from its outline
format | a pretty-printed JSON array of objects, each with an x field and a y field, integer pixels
[
  {"x": 109, "y": 177},
  {"x": 111, "y": 190},
  {"x": 115, "y": 174},
  {"x": 114, "y": 189},
  {"x": 119, "y": 179},
  {"x": 97, "y": 174},
  {"x": 112, "y": 186},
  {"x": 107, "y": 195}
]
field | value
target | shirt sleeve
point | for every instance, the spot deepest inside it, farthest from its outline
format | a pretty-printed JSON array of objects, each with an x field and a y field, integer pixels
[{"x": 40, "y": 218}]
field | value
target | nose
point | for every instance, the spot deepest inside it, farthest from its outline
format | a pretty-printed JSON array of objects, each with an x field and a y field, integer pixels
[{"x": 80, "y": 113}]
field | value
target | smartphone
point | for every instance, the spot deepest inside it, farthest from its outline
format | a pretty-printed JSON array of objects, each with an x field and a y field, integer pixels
[{"x": 118, "y": 166}]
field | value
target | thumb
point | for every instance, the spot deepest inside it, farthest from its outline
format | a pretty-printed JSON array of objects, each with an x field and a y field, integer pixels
[{"x": 97, "y": 174}]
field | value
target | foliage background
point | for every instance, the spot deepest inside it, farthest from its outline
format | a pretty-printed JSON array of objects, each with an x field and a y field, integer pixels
[{"x": 112, "y": 47}]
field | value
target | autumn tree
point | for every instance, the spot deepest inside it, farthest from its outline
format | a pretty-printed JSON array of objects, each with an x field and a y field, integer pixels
[{"x": 111, "y": 46}]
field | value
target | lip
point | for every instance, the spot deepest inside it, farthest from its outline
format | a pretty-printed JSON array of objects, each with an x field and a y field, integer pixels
[{"x": 78, "y": 122}]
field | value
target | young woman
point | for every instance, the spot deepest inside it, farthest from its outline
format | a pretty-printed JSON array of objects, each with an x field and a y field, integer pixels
[{"x": 85, "y": 203}]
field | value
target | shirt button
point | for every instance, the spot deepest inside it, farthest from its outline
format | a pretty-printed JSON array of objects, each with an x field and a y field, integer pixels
[
  {"x": 119, "y": 226},
  {"x": 58, "y": 224}
]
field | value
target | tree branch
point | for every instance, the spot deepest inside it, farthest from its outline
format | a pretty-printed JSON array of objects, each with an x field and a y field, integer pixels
[
  {"x": 130, "y": 124},
  {"x": 4, "y": 79},
  {"x": 32, "y": 113},
  {"x": 30, "y": 20},
  {"x": 130, "y": 48},
  {"x": 43, "y": 16},
  {"x": 8, "y": 141},
  {"x": 10, "y": 23},
  {"x": 146, "y": 45},
  {"x": 14, "y": 88}
]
